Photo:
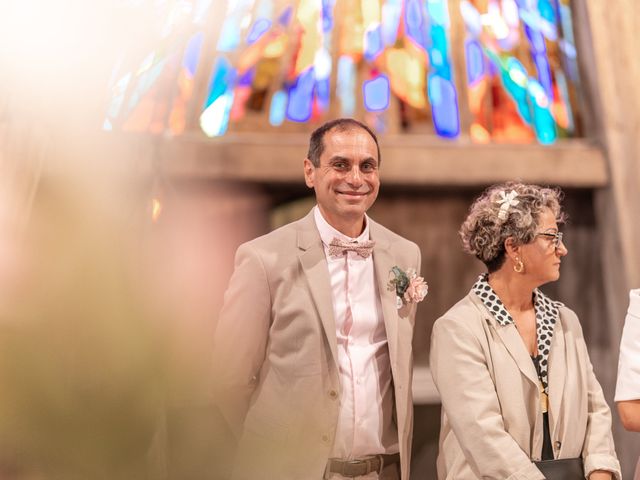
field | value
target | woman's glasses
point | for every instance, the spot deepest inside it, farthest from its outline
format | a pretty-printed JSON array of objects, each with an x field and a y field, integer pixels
[{"x": 557, "y": 237}]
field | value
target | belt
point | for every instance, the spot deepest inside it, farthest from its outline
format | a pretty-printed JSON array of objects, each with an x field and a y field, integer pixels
[{"x": 361, "y": 466}]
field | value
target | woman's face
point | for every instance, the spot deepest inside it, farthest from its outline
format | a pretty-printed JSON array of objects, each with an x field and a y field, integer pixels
[{"x": 543, "y": 255}]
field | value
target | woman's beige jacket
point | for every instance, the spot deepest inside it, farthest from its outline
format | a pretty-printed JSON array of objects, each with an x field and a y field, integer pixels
[{"x": 492, "y": 423}]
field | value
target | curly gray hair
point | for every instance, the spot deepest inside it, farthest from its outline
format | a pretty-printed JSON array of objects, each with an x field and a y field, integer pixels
[{"x": 499, "y": 214}]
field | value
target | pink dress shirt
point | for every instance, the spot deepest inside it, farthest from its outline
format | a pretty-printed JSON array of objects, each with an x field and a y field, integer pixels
[{"x": 365, "y": 422}]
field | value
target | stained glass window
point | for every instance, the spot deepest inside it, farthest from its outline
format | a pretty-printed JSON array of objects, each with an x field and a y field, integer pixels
[{"x": 396, "y": 64}]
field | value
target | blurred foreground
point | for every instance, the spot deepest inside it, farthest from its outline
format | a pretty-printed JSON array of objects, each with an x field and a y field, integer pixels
[{"x": 106, "y": 310}]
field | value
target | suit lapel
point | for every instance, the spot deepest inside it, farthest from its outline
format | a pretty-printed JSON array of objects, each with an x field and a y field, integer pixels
[
  {"x": 314, "y": 265},
  {"x": 383, "y": 261},
  {"x": 557, "y": 373},
  {"x": 512, "y": 341}
]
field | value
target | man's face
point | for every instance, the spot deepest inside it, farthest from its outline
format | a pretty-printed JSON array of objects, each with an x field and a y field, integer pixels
[{"x": 346, "y": 182}]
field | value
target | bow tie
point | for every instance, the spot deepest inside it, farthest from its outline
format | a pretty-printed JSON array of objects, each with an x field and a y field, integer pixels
[{"x": 339, "y": 247}]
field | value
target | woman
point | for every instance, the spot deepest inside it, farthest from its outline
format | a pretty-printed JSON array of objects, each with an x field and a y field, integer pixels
[
  {"x": 511, "y": 364},
  {"x": 628, "y": 386}
]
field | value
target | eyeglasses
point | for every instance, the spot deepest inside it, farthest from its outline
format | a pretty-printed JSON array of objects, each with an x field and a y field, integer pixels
[{"x": 557, "y": 237}]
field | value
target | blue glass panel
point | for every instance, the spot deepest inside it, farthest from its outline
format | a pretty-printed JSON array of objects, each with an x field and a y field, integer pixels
[
  {"x": 301, "y": 97},
  {"x": 278, "y": 108},
  {"x": 221, "y": 80},
  {"x": 438, "y": 54},
  {"x": 376, "y": 93},
  {"x": 547, "y": 11},
  {"x": 475, "y": 61},
  {"x": 285, "y": 17},
  {"x": 258, "y": 29},
  {"x": 327, "y": 15},
  {"x": 544, "y": 125},
  {"x": 192, "y": 52},
  {"x": 391, "y": 12},
  {"x": 346, "y": 85},
  {"x": 372, "y": 43},
  {"x": 438, "y": 12},
  {"x": 522, "y": 4},
  {"x": 444, "y": 106},
  {"x": 246, "y": 80},
  {"x": 536, "y": 39},
  {"x": 533, "y": 20},
  {"x": 229, "y": 36},
  {"x": 323, "y": 93},
  {"x": 493, "y": 69},
  {"x": 567, "y": 44},
  {"x": 544, "y": 73},
  {"x": 515, "y": 78},
  {"x": 414, "y": 23}
]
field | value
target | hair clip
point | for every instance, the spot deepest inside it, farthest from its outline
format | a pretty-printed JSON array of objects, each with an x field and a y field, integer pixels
[{"x": 506, "y": 201}]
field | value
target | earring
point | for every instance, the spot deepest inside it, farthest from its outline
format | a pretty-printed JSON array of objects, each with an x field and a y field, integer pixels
[{"x": 519, "y": 266}]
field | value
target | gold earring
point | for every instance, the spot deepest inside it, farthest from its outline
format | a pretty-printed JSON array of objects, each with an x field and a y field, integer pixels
[{"x": 519, "y": 266}]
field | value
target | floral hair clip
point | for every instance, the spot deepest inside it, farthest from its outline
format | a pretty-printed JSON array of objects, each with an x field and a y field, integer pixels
[{"x": 506, "y": 201}]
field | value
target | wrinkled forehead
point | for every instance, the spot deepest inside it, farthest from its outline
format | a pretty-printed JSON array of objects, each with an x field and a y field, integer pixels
[{"x": 349, "y": 142}]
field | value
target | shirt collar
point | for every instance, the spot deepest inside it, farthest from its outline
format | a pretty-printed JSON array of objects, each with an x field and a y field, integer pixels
[
  {"x": 543, "y": 305},
  {"x": 328, "y": 233}
]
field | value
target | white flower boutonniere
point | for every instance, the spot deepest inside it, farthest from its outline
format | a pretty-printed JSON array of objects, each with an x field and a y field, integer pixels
[{"x": 409, "y": 287}]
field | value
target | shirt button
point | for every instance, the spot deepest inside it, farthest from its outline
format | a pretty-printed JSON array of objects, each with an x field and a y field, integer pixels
[
  {"x": 557, "y": 445},
  {"x": 333, "y": 394},
  {"x": 325, "y": 438}
]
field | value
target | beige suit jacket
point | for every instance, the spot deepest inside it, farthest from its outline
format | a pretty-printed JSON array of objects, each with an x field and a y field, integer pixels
[
  {"x": 491, "y": 417},
  {"x": 275, "y": 351}
]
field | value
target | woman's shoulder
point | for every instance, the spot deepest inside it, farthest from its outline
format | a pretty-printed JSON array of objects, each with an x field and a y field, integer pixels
[{"x": 466, "y": 312}]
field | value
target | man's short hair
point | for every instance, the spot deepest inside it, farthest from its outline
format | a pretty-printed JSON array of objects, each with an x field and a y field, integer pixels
[{"x": 316, "y": 142}]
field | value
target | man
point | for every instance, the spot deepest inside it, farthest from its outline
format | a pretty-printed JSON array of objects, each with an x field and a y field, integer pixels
[{"x": 313, "y": 350}]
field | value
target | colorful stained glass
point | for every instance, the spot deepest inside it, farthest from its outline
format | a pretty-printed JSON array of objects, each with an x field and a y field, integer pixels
[
  {"x": 376, "y": 93},
  {"x": 526, "y": 91},
  {"x": 390, "y": 62},
  {"x": 443, "y": 98},
  {"x": 413, "y": 23},
  {"x": 277, "y": 112},
  {"x": 346, "y": 85},
  {"x": 301, "y": 97},
  {"x": 261, "y": 26},
  {"x": 214, "y": 120}
]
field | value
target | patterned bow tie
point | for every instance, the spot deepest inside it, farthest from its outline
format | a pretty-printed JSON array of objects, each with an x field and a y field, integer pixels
[{"x": 339, "y": 247}]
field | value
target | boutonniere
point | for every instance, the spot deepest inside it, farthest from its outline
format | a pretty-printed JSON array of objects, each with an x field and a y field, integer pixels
[{"x": 409, "y": 287}]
